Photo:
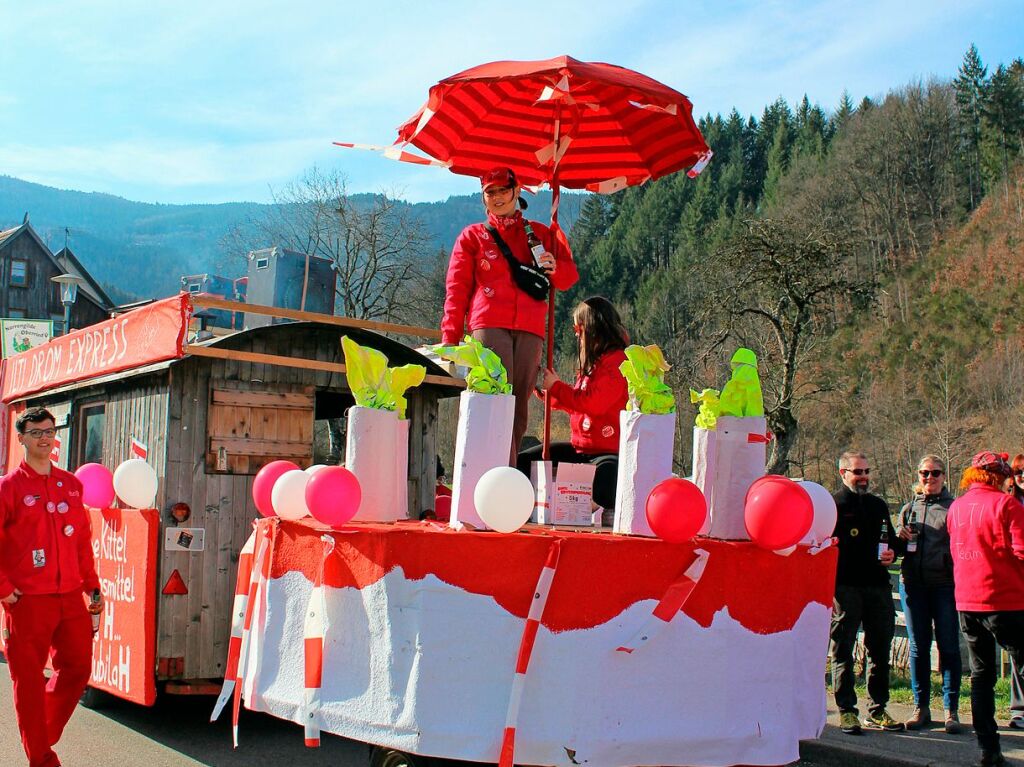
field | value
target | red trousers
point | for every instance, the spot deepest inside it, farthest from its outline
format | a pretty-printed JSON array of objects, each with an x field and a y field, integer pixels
[{"x": 55, "y": 626}]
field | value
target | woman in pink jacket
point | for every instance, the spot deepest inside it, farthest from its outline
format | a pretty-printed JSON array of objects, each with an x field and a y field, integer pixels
[
  {"x": 986, "y": 539},
  {"x": 483, "y": 297}
]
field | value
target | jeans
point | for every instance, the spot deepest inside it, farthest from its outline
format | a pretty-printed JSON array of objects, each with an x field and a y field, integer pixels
[
  {"x": 982, "y": 631},
  {"x": 871, "y": 606},
  {"x": 606, "y": 475},
  {"x": 923, "y": 608}
]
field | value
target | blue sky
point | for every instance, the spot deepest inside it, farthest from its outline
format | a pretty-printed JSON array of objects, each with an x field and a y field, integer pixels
[{"x": 218, "y": 100}]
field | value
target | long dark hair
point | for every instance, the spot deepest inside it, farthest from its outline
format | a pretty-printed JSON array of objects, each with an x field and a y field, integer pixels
[{"x": 599, "y": 329}]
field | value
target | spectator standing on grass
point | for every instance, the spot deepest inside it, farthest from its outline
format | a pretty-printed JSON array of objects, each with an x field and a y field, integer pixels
[
  {"x": 926, "y": 591},
  {"x": 863, "y": 597},
  {"x": 986, "y": 535},
  {"x": 1017, "y": 673}
]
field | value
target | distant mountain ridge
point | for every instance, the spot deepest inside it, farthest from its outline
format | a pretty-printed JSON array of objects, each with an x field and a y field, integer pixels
[{"x": 141, "y": 250}]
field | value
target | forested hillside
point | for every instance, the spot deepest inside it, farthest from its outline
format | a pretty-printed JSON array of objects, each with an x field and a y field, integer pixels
[
  {"x": 140, "y": 250},
  {"x": 871, "y": 255}
]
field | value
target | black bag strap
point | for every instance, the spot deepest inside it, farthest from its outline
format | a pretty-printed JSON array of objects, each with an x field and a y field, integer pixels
[{"x": 506, "y": 251}]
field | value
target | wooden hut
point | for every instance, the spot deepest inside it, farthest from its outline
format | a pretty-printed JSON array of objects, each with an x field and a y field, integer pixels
[{"x": 208, "y": 419}]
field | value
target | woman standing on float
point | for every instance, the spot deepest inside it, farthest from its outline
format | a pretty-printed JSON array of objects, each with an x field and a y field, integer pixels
[{"x": 483, "y": 296}]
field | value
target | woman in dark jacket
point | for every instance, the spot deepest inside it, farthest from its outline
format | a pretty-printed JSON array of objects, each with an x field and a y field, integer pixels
[{"x": 926, "y": 591}]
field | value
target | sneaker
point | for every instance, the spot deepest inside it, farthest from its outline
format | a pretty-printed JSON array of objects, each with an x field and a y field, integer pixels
[
  {"x": 882, "y": 721},
  {"x": 849, "y": 723},
  {"x": 1017, "y": 722},
  {"x": 953, "y": 726},
  {"x": 922, "y": 718}
]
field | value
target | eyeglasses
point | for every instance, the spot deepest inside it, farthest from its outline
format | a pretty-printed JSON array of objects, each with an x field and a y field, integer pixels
[
  {"x": 858, "y": 472},
  {"x": 925, "y": 473},
  {"x": 37, "y": 433}
]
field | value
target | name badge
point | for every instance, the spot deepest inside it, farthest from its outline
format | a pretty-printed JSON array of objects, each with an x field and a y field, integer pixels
[{"x": 38, "y": 558}]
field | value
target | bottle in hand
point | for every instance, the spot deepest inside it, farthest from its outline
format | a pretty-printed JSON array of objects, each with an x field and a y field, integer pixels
[
  {"x": 912, "y": 527},
  {"x": 536, "y": 246},
  {"x": 883, "y": 541},
  {"x": 95, "y": 608}
]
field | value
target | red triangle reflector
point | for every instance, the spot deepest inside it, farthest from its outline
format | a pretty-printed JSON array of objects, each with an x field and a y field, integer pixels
[{"x": 175, "y": 584}]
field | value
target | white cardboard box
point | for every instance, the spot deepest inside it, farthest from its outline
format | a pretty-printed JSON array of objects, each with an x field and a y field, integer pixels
[{"x": 565, "y": 498}]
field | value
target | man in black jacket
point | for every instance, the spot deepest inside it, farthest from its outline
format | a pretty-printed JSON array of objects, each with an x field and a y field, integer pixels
[{"x": 863, "y": 596}]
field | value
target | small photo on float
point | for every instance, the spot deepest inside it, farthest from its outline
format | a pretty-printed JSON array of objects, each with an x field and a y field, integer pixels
[{"x": 185, "y": 540}]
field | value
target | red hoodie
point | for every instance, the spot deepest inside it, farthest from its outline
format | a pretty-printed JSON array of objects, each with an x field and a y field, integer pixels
[
  {"x": 594, "y": 404},
  {"x": 986, "y": 539},
  {"x": 45, "y": 538},
  {"x": 479, "y": 291}
]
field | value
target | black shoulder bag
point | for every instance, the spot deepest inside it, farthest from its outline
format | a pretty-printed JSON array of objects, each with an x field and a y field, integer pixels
[{"x": 531, "y": 280}]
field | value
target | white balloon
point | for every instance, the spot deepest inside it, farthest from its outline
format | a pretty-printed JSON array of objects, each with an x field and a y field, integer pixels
[
  {"x": 315, "y": 468},
  {"x": 289, "y": 495},
  {"x": 504, "y": 499},
  {"x": 135, "y": 483},
  {"x": 825, "y": 513}
]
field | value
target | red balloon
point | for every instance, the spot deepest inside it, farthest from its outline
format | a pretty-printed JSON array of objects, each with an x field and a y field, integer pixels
[
  {"x": 333, "y": 495},
  {"x": 263, "y": 485},
  {"x": 777, "y": 512},
  {"x": 676, "y": 510}
]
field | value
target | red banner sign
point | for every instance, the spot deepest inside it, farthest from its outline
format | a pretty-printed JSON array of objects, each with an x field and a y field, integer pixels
[
  {"x": 152, "y": 333},
  {"x": 124, "y": 542}
]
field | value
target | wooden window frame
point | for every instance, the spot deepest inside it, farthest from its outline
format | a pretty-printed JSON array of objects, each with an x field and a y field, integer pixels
[
  {"x": 24, "y": 282},
  {"x": 82, "y": 411}
]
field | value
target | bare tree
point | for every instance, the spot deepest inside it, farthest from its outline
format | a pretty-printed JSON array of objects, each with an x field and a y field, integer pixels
[
  {"x": 381, "y": 252},
  {"x": 774, "y": 287}
]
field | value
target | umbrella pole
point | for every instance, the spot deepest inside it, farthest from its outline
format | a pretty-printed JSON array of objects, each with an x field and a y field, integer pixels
[{"x": 551, "y": 329}]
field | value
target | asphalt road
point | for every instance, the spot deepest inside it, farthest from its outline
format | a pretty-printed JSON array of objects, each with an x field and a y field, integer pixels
[{"x": 174, "y": 733}]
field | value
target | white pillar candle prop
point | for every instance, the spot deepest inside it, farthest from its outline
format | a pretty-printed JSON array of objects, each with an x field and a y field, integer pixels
[
  {"x": 483, "y": 438},
  {"x": 370, "y": 449},
  {"x": 645, "y": 459},
  {"x": 726, "y": 462}
]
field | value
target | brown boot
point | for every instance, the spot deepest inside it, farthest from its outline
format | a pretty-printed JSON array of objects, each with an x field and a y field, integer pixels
[
  {"x": 953, "y": 726},
  {"x": 922, "y": 718}
]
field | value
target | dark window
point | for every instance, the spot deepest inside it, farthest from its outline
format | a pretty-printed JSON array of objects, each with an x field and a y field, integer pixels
[
  {"x": 19, "y": 272},
  {"x": 16, "y": 314},
  {"x": 262, "y": 263},
  {"x": 194, "y": 287},
  {"x": 91, "y": 422}
]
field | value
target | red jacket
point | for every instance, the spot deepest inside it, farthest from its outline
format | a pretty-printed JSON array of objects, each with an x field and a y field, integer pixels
[
  {"x": 45, "y": 537},
  {"x": 594, "y": 404},
  {"x": 986, "y": 540},
  {"x": 479, "y": 291}
]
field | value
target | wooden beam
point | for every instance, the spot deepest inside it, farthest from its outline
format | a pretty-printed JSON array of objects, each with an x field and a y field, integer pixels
[
  {"x": 260, "y": 447},
  {"x": 212, "y": 302},
  {"x": 267, "y": 399},
  {"x": 299, "y": 362}
]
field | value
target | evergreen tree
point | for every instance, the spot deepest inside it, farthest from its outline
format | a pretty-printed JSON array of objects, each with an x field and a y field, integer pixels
[
  {"x": 844, "y": 113},
  {"x": 970, "y": 98},
  {"x": 1002, "y": 123},
  {"x": 778, "y": 161}
]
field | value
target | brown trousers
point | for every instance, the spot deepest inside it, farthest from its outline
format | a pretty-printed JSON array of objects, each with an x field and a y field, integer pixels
[{"x": 520, "y": 353}]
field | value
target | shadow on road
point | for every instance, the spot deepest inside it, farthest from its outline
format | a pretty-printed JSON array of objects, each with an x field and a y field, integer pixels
[{"x": 182, "y": 723}]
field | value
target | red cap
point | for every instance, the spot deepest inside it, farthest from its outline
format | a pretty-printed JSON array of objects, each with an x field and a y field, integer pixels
[
  {"x": 498, "y": 177},
  {"x": 994, "y": 462}
]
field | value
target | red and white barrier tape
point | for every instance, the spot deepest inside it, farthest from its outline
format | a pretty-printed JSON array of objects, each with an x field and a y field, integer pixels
[
  {"x": 313, "y": 649},
  {"x": 533, "y": 618},
  {"x": 242, "y": 582},
  {"x": 670, "y": 604}
]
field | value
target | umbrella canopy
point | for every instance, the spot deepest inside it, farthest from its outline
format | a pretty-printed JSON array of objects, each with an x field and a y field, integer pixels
[{"x": 572, "y": 123}]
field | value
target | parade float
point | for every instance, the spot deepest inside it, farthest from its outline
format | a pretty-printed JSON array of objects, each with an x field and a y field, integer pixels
[
  {"x": 197, "y": 420},
  {"x": 550, "y": 645}
]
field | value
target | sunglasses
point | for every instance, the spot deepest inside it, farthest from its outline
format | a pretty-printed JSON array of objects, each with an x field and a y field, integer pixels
[
  {"x": 858, "y": 472},
  {"x": 925, "y": 473}
]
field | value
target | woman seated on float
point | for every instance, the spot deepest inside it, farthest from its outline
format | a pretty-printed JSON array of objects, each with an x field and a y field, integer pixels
[{"x": 594, "y": 401}]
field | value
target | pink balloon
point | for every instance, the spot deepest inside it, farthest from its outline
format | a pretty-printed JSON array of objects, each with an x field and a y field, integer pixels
[
  {"x": 333, "y": 495},
  {"x": 676, "y": 510},
  {"x": 263, "y": 485},
  {"x": 777, "y": 512},
  {"x": 97, "y": 485}
]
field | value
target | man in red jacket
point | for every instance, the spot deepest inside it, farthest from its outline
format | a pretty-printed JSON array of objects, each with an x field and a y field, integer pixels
[
  {"x": 986, "y": 539},
  {"x": 46, "y": 564}
]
